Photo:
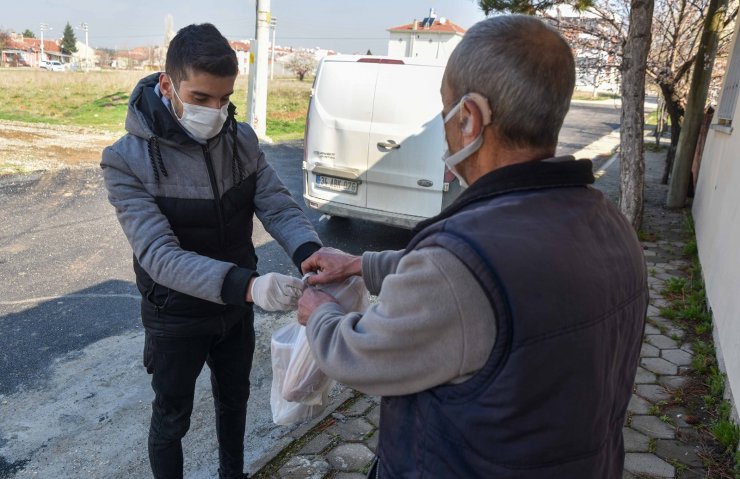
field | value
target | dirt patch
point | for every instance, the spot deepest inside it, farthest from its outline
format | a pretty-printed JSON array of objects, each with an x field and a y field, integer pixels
[{"x": 31, "y": 146}]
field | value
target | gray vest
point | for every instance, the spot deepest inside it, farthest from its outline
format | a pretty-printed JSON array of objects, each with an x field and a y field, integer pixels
[{"x": 566, "y": 277}]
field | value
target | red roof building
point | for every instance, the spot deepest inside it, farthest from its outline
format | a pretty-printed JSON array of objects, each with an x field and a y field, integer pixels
[{"x": 432, "y": 37}]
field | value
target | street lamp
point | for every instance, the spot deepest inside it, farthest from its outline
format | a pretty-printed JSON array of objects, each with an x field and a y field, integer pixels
[
  {"x": 83, "y": 26},
  {"x": 43, "y": 27},
  {"x": 273, "y": 24}
]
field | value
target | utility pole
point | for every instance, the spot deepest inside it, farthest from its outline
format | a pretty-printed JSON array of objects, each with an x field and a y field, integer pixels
[
  {"x": 258, "y": 76},
  {"x": 273, "y": 25},
  {"x": 43, "y": 27},
  {"x": 83, "y": 26}
]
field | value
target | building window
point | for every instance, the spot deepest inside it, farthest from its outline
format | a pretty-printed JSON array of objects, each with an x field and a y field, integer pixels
[{"x": 726, "y": 110}]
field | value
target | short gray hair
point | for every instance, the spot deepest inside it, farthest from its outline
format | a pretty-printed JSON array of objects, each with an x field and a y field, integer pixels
[{"x": 526, "y": 70}]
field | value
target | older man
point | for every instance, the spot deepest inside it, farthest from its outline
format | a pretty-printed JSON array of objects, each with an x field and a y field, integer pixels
[{"x": 506, "y": 335}]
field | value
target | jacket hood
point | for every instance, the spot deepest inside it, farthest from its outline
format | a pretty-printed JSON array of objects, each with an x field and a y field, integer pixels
[{"x": 148, "y": 116}]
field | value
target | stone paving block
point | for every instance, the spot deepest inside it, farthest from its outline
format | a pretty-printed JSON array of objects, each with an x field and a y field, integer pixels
[
  {"x": 661, "y": 322},
  {"x": 628, "y": 475},
  {"x": 649, "y": 351},
  {"x": 652, "y": 392},
  {"x": 676, "y": 334},
  {"x": 635, "y": 441},
  {"x": 652, "y": 311},
  {"x": 643, "y": 376},
  {"x": 372, "y": 442},
  {"x": 678, "y": 416},
  {"x": 351, "y": 456},
  {"x": 643, "y": 463},
  {"x": 638, "y": 405},
  {"x": 687, "y": 347},
  {"x": 374, "y": 416},
  {"x": 685, "y": 454},
  {"x": 352, "y": 429},
  {"x": 304, "y": 467},
  {"x": 660, "y": 303},
  {"x": 659, "y": 366},
  {"x": 679, "y": 357},
  {"x": 650, "y": 329},
  {"x": 350, "y": 475},
  {"x": 665, "y": 276},
  {"x": 653, "y": 427},
  {"x": 317, "y": 444},
  {"x": 691, "y": 474},
  {"x": 661, "y": 341},
  {"x": 673, "y": 382},
  {"x": 648, "y": 252},
  {"x": 359, "y": 407}
]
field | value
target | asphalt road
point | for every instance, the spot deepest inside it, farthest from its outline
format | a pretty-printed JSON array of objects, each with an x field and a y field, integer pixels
[{"x": 74, "y": 398}]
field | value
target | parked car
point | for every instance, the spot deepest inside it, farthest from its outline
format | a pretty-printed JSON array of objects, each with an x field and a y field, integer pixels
[
  {"x": 53, "y": 65},
  {"x": 374, "y": 140}
]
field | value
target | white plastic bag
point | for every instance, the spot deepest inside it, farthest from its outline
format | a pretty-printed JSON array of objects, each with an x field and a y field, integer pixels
[
  {"x": 288, "y": 341},
  {"x": 300, "y": 390}
]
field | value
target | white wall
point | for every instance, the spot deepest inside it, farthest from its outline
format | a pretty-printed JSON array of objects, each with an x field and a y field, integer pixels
[
  {"x": 422, "y": 45},
  {"x": 717, "y": 216}
]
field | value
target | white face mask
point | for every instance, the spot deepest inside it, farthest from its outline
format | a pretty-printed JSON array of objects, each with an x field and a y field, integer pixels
[
  {"x": 201, "y": 122},
  {"x": 453, "y": 160}
]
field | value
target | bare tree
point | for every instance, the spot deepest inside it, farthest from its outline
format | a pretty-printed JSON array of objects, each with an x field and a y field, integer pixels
[
  {"x": 697, "y": 98},
  {"x": 631, "y": 146},
  {"x": 301, "y": 63}
]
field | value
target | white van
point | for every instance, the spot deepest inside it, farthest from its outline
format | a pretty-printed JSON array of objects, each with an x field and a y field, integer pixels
[{"x": 374, "y": 140}]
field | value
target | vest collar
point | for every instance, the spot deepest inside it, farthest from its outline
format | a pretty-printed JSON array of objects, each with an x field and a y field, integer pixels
[{"x": 557, "y": 172}]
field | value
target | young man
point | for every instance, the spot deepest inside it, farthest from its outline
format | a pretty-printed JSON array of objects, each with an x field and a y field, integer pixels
[{"x": 186, "y": 181}]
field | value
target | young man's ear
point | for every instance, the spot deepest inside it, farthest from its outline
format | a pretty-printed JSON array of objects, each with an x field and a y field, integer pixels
[{"x": 165, "y": 85}]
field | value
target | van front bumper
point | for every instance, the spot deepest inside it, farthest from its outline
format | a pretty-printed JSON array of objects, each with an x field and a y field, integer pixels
[{"x": 332, "y": 208}]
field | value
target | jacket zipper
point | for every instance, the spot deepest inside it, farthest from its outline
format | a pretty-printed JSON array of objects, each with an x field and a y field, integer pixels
[{"x": 216, "y": 196}]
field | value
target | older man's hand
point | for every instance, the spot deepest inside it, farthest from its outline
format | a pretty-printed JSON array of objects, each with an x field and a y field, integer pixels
[
  {"x": 312, "y": 298},
  {"x": 331, "y": 266}
]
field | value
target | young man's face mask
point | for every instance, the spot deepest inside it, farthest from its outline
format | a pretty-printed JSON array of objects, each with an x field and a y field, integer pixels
[{"x": 201, "y": 122}]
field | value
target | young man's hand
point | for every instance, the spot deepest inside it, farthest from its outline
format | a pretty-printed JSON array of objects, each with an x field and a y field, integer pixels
[
  {"x": 275, "y": 292},
  {"x": 331, "y": 266}
]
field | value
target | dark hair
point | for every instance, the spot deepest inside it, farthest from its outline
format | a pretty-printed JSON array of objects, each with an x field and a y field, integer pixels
[
  {"x": 202, "y": 48},
  {"x": 526, "y": 70}
]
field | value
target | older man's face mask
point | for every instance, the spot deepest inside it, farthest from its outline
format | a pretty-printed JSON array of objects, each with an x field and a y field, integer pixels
[{"x": 452, "y": 160}]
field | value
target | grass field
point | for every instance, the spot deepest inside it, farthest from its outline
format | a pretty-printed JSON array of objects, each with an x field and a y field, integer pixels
[{"x": 99, "y": 99}]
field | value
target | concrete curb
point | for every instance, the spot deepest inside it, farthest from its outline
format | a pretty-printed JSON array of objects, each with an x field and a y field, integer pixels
[{"x": 301, "y": 431}]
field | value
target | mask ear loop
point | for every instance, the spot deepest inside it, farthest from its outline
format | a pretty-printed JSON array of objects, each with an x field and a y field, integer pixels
[
  {"x": 174, "y": 90},
  {"x": 482, "y": 103}
]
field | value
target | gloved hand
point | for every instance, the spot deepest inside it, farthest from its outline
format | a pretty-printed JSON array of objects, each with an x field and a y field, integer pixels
[{"x": 276, "y": 292}]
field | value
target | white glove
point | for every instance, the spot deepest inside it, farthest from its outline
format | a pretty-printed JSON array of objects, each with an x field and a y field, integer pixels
[{"x": 276, "y": 292}]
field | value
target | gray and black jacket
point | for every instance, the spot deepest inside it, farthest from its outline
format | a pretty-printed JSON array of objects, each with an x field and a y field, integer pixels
[{"x": 187, "y": 210}]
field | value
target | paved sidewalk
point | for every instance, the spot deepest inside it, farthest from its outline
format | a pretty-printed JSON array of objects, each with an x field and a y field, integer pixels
[{"x": 341, "y": 445}]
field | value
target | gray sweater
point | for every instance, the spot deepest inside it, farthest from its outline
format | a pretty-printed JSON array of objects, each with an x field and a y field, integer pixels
[{"x": 432, "y": 325}]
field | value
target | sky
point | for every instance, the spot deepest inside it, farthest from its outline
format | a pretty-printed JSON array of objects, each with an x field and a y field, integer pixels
[{"x": 346, "y": 26}]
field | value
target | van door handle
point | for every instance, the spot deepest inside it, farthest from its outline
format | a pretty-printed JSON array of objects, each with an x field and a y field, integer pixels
[{"x": 389, "y": 145}]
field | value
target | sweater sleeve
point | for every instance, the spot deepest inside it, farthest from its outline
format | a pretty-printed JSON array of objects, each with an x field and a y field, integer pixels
[
  {"x": 281, "y": 216},
  {"x": 432, "y": 325},
  {"x": 377, "y": 265},
  {"x": 155, "y": 244}
]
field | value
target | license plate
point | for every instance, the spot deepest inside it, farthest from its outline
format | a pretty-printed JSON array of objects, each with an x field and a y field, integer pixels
[{"x": 336, "y": 184}]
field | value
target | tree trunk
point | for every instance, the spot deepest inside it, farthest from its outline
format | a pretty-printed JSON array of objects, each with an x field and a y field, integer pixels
[
  {"x": 700, "y": 78},
  {"x": 631, "y": 143},
  {"x": 675, "y": 113}
]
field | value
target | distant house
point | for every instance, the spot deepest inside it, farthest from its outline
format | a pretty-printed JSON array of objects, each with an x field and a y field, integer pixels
[
  {"x": 20, "y": 51},
  {"x": 242, "y": 55},
  {"x": 597, "y": 61},
  {"x": 433, "y": 37},
  {"x": 85, "y": 57}
]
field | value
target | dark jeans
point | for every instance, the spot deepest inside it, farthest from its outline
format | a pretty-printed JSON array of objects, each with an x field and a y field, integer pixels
[{"x": 174, "y": 363}]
